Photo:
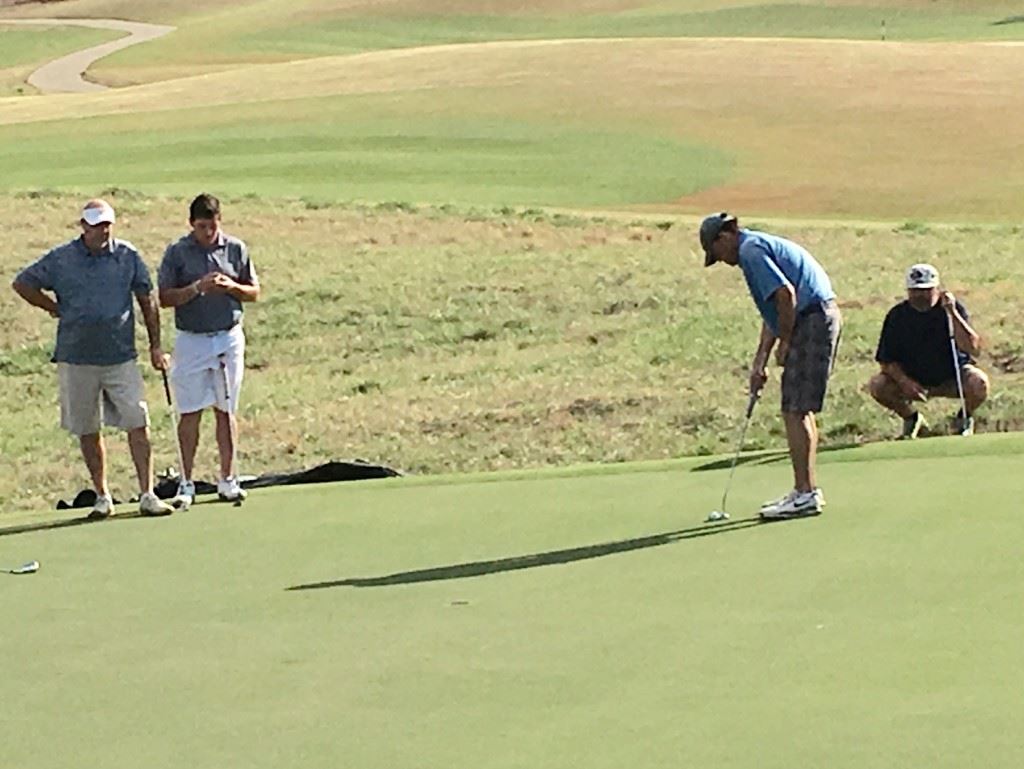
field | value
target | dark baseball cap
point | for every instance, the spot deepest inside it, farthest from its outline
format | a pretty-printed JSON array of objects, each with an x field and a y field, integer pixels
[{"x": 709, "y": 230}]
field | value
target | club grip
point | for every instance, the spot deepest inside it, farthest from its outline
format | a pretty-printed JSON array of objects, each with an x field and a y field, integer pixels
[
  {"x": 751, "y": 403},
  {"x": 167, "y": 388}
]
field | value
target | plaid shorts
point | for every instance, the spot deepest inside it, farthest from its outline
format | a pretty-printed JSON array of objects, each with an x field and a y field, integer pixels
[{"x": 811, "y": 358}]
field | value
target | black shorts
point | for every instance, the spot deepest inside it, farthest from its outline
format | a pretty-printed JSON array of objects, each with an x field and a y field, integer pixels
[{"x": 811, "y": 358}]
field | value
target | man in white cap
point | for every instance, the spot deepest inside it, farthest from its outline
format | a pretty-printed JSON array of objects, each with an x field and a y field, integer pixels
[
  {"x": 88, "y": 285},
  {"x": 916, "y": 357},
  {"x": 802, "y": 323}
]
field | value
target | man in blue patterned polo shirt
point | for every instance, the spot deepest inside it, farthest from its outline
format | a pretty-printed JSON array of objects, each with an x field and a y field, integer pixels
[{"x": 88, "y": 285}]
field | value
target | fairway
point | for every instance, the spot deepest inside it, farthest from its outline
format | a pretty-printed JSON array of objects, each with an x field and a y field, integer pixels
[{"x": 584, "y": 618}]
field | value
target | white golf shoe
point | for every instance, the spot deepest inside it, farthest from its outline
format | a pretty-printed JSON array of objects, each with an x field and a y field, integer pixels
[
  {"x": 151, "y": 505},
  {"x": 796, "y": 504},
  {"x": 103, "y": 508},
  {"x": 186, "y": 495},
  {"x": 230, "y": 490}
]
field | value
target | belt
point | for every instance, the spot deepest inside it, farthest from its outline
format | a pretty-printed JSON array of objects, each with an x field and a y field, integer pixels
[{"x": 817, "y": 308}]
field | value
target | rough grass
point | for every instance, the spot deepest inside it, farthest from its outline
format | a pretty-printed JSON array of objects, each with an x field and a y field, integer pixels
[
  {"x": 456, "y": 340},
  {"x": 827, "y": 128}
]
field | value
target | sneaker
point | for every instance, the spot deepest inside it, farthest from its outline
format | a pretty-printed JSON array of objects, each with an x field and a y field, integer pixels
[
  {"x": 911, "y": 427},
  {"x": 962, "y": 426},
  {"x": 151, "y": 505},
  {"x": 186, "y": 494},
  {"x": 796, "y": 505},
  {"x": 818, "y": 494},
  {"x": 784, "y": 499},
  {"x": 229, "y": 490},
  {"x": 102, "y": 509}
]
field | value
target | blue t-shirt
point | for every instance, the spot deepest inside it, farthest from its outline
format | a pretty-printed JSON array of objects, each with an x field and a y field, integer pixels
[
  {"x": 94, "y": 295},
  {"x": 186, "y": 261},
  {"x": 770, "y": 262},
  {"x": 919, "y": 343}
]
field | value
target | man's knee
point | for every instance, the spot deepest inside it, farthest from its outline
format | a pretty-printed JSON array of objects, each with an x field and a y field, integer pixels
[
  {"x": 976, "y": 383},
  {"x": 882, "y": 388}
]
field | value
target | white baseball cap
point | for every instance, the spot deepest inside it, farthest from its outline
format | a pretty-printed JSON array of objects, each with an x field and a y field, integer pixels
[
  {"x": 97, "y": 211},
  {"x": 922, "y": 276}
]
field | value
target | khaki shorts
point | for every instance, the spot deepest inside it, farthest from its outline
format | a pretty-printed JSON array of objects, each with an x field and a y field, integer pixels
[
  {"x": 812, "y": 356},
  {"x": 114, "y": 393}
]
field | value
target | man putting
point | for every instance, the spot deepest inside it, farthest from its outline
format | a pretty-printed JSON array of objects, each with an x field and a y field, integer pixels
[
  {"x": 206, "y": 276},
  {"x": 92, "y": 280},
  {"x": 799, "y": 313},
  {"x": 917, "y": 359}
]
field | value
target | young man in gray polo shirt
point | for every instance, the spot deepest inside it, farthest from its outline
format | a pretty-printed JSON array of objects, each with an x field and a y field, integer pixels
[
  {"x": 92, "y": 280},
  {"x": 206, "y": 276}
]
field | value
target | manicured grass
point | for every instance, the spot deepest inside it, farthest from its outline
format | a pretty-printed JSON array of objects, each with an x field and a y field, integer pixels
[
  {"x": 23, "y": 49},
  {"x": 362, "y": 149},
  {"x": 824, "y": 128},
  {"x": 547, "y": 621},
  {"x": 236, "y": 33}
]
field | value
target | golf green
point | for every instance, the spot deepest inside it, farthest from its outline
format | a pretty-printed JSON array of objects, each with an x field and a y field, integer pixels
[{"x": 571, "y": 618}]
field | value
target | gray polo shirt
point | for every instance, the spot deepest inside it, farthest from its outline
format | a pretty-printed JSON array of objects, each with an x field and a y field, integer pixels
[
  {"x": 94, "y": 294},
  {"x": 186, "y": 261}
]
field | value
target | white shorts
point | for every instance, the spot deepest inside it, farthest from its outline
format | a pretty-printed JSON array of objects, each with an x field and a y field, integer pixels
[
  {"x": 207, "y": 370},
  {"x": 114, "y": 395}
]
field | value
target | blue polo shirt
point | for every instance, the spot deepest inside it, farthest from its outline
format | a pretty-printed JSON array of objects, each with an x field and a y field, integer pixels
[
  {"x": 186, "y": 261},
  {"x": 770, "y": 262},
  {"x": 94, "y": 294}
]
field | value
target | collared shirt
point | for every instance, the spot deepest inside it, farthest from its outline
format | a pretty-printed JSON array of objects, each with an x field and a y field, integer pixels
[
  {"x": 186, "y": 261},
  {"x": 94, "y": 295},
  {"x": 770, "y": 262},
  {"x": 919, "y": 343}
]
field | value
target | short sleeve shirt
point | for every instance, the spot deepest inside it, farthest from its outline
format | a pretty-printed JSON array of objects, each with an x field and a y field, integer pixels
[
  {"x": 94, "y": 294},
  {"x": 770, "y": 262},
  {"x": 919, "y": 343},
  {"x": 186, "y": 261}
]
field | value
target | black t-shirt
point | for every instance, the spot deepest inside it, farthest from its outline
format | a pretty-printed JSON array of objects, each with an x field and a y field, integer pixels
[{"x": 919, "y": 342}]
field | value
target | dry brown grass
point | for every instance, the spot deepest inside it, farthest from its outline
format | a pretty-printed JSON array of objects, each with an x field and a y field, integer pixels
[{"x": 458, "y": 341}]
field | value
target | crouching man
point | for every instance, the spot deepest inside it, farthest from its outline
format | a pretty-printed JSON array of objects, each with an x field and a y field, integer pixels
[{"x": 917, "y": 360}]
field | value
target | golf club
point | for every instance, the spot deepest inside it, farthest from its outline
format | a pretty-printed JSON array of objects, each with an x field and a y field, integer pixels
[
  {"x": 722, "y": 515},
  {"x": 178, "y": 502},
  {"x": 231, "y": 419},
  {"x": 26, "y": 568},
  {"x": 956, "y": 369}
]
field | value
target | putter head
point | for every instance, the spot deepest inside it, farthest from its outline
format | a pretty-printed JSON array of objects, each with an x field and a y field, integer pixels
[
  {"x": 26, "y": 568},
  {"x": 717, "y": 515},
  {"x": 180, "y": 503}
]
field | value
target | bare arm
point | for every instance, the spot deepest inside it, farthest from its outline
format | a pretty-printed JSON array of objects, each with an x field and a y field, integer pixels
[
  {"x": 758, "y": 369},
  {"x": 37, "y": 298},
  {"x": 910, "y": 387},
  {"x": 967, "y": 339},
  {"x": 151, "y": 314},
  {"x": 785, "y": 304},
  {"x": 175, "y": 297}
]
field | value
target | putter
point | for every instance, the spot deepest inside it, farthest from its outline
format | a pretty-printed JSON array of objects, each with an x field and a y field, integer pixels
[
  {"x": 956, "y": 369},
  {"x": 177, "y": 502},
  {"x": 722, "y": 515},
  {"x": 26, "y": 568},
  {"x": 231, "y": 420}
]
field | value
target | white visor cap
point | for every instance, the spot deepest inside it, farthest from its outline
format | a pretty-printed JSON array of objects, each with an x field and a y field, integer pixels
[{"x": 97, "y": 212}]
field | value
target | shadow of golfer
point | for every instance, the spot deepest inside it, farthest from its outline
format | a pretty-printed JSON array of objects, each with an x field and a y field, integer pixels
[
  {"x": 550, "y": 558},
  {"x": 64, "y": 523}
]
